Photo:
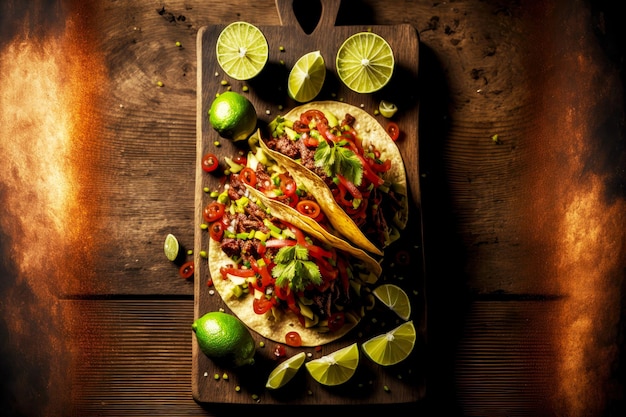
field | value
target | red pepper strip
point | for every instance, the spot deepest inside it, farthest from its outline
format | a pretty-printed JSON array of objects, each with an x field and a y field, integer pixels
[
  {"x": 318, "y": 252},
  {"x": 325, "y": 131},
  {"x": 282, "y": 293},
  {"x": 309, "y": 141},
  {"x": 369, "y": 173},
  {"x": 266, "y": 278},
  {"x": 352, "y": 189},
  {"x": 352, "y": 136},
  {"x": 243, "y": 273},
  {"x": 384, "y": 167},
  {"x": 340, "y": 196}
]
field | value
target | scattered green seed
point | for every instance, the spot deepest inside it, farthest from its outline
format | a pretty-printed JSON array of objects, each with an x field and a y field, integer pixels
[
  {"x": 245, "y": 88},
  {"x": 224, "y": 82},
  {"x": 217, "y": 143},
  {"x": 309, "y": 392},
  {"x": 216, "y": 376},
  {"x": 206, "y": 189},
  {"x": 255, "y": 397},
  {"x": 203, "y": 254},
  {"x": 387, "y": 389},
  {"x": 281, "y": 62},
  {"x": 214, "y": 194},
  {"x": 280, "y": 107},
  {"x": 179, "y": 44},
  {"x": 204, "y": 226},
  {"x": 237, "y": 388},
  {"x": 262, "y": 343},
  {"x": 159, "y": 83},
  {"x": 190, "y": 252},
  {"x": 225, "y": 376},
  {"x": 281, "y": 48}
]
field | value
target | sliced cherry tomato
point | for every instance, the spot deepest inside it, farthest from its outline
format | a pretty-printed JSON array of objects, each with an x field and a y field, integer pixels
[
  {"x": 336, "y": 321},
  {"x": 393, "y": 130},
  {"x": 210, "y": 162},
  {"x": 293, "y": 339},
  {"x": 216, "y": 231},
  {"x": 262, "y": 305},
  {"x": 186, "y": 270},
  {"x": 313, "y": 115},
  {"x": 308, "y": 208},
  {"x": 287, "y": 185},
  {"x": 240, "y": 159},
  {"x": 213, "y": 211},
  {"x": 280, "y": 351},
  {"x": 248, "y": 176}
]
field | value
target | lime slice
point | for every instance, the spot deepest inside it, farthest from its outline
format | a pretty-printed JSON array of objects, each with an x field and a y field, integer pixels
[
  {"x": 387, "y": 109},
  {"x": 307, "y": 76},
  {"x": 241, "y": 50},
  {"x": 335, "y": 368},
  {"x": 285, "y": 371},
  {"x": 395, "y": 298},
  {"x": 365, "y": 62},
  {"x": 392, "y": 347},
  {"x": 171, "y": 247}
]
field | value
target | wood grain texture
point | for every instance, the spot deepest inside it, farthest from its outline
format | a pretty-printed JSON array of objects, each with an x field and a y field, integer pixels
[
  {"x": 267, "y": 92},
  {"x": 523, "y": 236}
]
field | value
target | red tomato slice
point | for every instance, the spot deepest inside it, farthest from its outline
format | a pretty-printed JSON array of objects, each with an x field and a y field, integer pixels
[
  {"x": 248, "y": 176},
  {"x": 213, "y": 211},
  {"x": 210, "y": 162},
  {"x": 216, "y": 231},
  {"x": 393, "y": 130},
  {"x": 293, "y": 339},
  {"x": 261, "y": 305},
  {"x": 186, "y": 270},
  {"x": 308, "y": 208}
]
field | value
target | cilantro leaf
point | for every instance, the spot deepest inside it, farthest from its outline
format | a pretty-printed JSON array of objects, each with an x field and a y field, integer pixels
[
  {"x": 293, "y": 268},
  {"x": 339, "y": 160}
]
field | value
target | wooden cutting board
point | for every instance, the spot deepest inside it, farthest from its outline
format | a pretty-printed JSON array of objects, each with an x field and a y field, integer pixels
[{"x": 372, "y": 384}]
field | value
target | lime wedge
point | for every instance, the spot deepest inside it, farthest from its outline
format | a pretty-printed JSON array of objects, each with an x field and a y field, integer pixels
[
  {"x": 387, "y": 109},
  {"x": 241, "y": 50},
  {"x": 335, "y": 368},
  {"x": 171, "y": 247},
  {"x": 284, "y": 372},
  {"x": 395, "y": 298},
  {"x": 392, "y": 347},
  {"x": 365, "y": 62},
  {"x": 307, "y": 76}
]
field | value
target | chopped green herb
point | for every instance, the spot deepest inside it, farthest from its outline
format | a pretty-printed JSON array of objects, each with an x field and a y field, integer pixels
[
  {"x": 294, "y": 268},
  {"x": 339, "y": 160}
]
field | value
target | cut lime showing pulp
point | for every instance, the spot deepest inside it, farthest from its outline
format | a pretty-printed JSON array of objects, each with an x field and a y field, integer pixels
[
  {"x": 307, "y": 76},
  {"x": 241, "y": 50},
  {"x": 171, "y": 247},
  {"x": 284, "y": 372},
  {"x": 392, "y": 347},
  {"x": 365, "y": 62},
  {"x": 335, "y": 368},
  {"x": 395, "y": 298},
  {"x": 387, "y": 109}
]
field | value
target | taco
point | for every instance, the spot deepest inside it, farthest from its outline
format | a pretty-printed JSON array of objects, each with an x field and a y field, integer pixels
[
  {"x": 280, "y": 275},
  {"x": 353, "y": 166}
]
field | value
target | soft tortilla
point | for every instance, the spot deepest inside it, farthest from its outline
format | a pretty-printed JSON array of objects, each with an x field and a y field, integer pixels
[
  {"x": 371, "y": 133},
  {"x": 266, "y": 324}
]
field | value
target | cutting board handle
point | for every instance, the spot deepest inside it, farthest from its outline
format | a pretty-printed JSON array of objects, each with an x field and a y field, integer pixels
[{"x": 328, "y": 17}]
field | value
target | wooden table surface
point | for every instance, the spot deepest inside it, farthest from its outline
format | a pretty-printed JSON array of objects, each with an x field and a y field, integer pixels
[{"x": 521, "y": 157}]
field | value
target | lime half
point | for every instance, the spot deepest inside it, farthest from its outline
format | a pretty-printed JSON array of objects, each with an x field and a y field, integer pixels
[
  {"x": 284, "y": 372},
  {"x": 365, "y": 62},
  {"x": 242, "y": 50},
  {"x": 171, "y": 247},
  {"x": 392, "y": 347},
  {"x": 307, "y": 76},
  {"x": 335, "y": 368},
  {"x": 395, "y": 298}
]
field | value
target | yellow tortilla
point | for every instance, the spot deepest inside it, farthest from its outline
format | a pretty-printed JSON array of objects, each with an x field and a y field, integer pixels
[{"x": 371, "y": 133}]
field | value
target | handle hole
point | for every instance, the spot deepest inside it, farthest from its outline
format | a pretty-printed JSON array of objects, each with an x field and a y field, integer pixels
[{"x": 308, "y": 14}]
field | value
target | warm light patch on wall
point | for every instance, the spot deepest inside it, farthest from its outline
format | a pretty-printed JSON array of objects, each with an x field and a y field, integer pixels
[{"x": 50, "y": 85}]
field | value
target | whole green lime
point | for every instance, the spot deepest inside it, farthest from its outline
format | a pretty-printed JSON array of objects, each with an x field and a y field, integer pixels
[
  {"x": 233, "y": 116},
  {"x": 223, "y": 337}
]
